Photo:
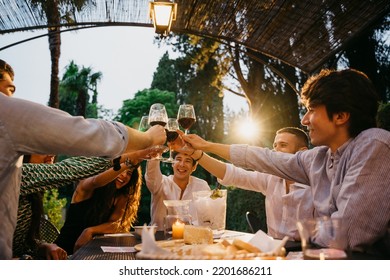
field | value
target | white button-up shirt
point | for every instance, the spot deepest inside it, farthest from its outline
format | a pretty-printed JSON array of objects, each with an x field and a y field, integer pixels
[
  {"x": 283, "y": 209},
  {"x": 163, "y": 187}
]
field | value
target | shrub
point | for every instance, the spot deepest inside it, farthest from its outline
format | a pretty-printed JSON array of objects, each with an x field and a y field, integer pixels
[{"x": 52, "y": 207}]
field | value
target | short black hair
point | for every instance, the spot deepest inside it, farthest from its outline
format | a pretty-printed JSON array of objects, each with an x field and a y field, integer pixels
[
  {"x": 347, "y": 90},
  {"x": 298, "y": 132},
  {"x": 6, "y": 68}
]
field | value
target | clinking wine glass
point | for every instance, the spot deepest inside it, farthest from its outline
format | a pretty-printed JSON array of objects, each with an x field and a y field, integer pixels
[
  {"x": 186, "y": 119},
  {"x": 144, "y": 124},
  {"x": 171, "y": 130},
  {"x": 158, "y": 116}
]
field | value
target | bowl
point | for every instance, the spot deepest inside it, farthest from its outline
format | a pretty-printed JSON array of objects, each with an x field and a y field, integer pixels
[{"x": 138, "y": 230}]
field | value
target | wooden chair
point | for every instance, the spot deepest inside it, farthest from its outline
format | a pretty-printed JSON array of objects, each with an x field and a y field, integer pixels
[
  {"x": 48, "y": 231},
  {"x": 253, "y": 221}
]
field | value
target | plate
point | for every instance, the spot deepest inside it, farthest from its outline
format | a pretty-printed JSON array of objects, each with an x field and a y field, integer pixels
[
  {"x": 181, "y": 251},
  {"x": 165, "y": 244},
  {"x": 117, "y": 234}
]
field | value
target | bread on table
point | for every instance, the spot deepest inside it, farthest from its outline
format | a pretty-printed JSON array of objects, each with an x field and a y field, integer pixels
[{"x": 197, "y": 235}]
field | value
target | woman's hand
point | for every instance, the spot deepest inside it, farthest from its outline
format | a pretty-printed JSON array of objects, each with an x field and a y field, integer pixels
[
  {"x": 84, "y": 237},
  {"x": 51, "y": 251}
]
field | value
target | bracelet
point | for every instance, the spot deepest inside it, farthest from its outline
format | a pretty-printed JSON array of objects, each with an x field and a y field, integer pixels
[
  {"x": 193, "y": 152},
  {"x": 199, "y": 157},
  {"x": 117, "y": 163}
]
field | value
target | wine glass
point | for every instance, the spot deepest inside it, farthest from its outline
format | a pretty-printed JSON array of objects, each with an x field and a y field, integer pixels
[
  {"x": 144, "y": 124},
  {"x": 171, "y": 130},
  {"x": 158, "y": 116},
  {"x": 186, "y": 119}
]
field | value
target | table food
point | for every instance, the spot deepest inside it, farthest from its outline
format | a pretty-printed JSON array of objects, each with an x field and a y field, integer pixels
[
  {"x": 197, "y": 235},
  {"x": 218, "y": 250}
]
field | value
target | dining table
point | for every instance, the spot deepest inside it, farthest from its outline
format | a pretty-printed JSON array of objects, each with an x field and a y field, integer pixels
[{"x": 121, "y": 246}]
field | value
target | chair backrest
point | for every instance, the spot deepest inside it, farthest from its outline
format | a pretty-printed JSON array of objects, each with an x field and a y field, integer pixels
[
  {"x": 253, "y": 221},
  {"x": 48, "y": 231}
]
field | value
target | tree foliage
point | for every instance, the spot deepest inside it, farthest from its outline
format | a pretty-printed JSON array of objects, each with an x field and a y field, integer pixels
[
  {"x": 133, "y": 109},
  {"x": 75, "y": 86}
]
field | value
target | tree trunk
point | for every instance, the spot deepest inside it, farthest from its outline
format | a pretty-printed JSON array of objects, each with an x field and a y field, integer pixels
[{"x": 53, "y": 18}]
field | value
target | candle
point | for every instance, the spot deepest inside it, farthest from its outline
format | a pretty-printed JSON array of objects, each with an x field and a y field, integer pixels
[{"x": 177, "y": 230}]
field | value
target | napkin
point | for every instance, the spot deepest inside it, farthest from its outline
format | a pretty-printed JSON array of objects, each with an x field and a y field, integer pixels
[
  {"x": 110, "y": 249},
  {"x": 149, "y": 245},
  {"x": 267, "y": 244}
]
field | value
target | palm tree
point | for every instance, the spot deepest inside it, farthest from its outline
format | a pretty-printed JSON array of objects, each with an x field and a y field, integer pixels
[
  {"x": 78, "y": 82},
  {"x": 51, "y": 10}
]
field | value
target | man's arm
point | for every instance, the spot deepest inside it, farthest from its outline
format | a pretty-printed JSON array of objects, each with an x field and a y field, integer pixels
[
  {"x": 212, "y": 165},
  {"x": 153, "y": 176},
  {"x": 222, "y": 150},
  {"x": 230, "y": 175}
]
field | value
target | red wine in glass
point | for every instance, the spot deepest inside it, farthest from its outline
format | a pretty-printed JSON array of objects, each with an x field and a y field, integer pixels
[
  {"x": 186, "y": 118},
  {"x": 158, "y": 116},
  {"x": 171, "y": 135},
  {"x": 152, "y": 123},
  {"x": 171, "y": 130},
  {"x": 186, "y": 123}
]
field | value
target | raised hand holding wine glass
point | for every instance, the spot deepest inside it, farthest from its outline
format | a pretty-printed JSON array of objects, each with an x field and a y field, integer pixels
[
  {"x": 158, "y": 116},
  {"x": 171, "y": 130},
  {"x": 186, "y": 119}
]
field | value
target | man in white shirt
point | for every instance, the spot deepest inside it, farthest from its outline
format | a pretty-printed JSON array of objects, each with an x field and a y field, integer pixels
[
  {"x": 178, "y": 186},
  {"x": 286, "y": 202},
  {"x": 30, "y": 128}
]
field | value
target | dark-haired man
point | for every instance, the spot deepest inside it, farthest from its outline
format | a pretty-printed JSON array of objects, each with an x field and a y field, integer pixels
[
  {"x": 178, "y": 186},
  {"x": 286, "y": 201},
  {"x": 6, "y": 78},
  {"x": 348, "y": 171}
]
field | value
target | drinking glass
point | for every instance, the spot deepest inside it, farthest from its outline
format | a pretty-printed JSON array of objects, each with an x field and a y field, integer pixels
[
  {"x": 323, "y": 238},
  {"x": 211, "y": 210},
  {"x": 158, "y": 116},
  {"x": 178, "y": 215},
  {"x": 144, "y": 124},
  {"x": 186, "y": 119},
  {"x": 171, "y": 130}
]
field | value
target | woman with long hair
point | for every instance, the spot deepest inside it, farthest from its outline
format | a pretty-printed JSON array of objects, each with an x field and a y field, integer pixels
[
  {"x": 38, "y": 177},
  {"x": 105, "y": 203}
]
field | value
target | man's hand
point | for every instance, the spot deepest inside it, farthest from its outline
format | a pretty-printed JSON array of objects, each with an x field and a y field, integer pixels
[
  {"x": 157, "y": 135},
  {"x": 179, "y": 143},
  {"x": 196, "y": 142}
]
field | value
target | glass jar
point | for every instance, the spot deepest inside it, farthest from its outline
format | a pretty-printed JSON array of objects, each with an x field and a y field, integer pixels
[{"x": 178, "y": 215}]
